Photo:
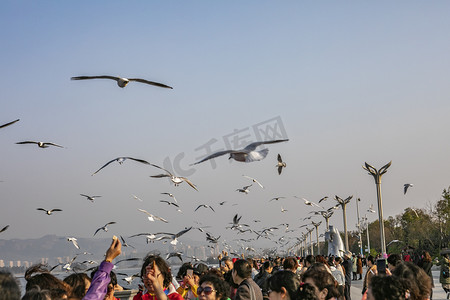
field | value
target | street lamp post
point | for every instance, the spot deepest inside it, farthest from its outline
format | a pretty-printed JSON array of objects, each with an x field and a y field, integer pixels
[
  {"x": 310, "y": 242},
  {"x": 317, "y": 235},
  {"x": 377, "y": 176},
  {"x": 359, "y": 225},
  {"x": 344, "y": 203},
  {"x": 327, "y": 215}
]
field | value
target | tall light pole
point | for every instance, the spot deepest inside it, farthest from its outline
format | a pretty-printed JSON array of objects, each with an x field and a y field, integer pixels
[
  {"x": 359, "y": 225},
  {"x": 317, "y": 235},
  {"x": 310, "y": 241},
  {"x": 377, "y": 176},
  {"x": 327, "y": 215},
  {"x": 344, "y": 203},
  {"x": 366, "y": 224}
]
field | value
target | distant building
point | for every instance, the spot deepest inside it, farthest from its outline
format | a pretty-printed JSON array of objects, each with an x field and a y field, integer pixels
[{"x": 2, "y": 263}]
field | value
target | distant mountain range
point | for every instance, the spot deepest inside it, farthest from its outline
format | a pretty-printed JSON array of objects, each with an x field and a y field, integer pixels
[{"x": 52, "y": 247}]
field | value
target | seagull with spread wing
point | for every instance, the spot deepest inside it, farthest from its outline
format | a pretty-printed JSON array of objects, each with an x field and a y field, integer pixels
[
  {"x": 104, "y": 228},
  {"x": 245, "y": 189},
  {"x": 120, "y": 160},
  {"x": 205, "y": 206},
  {"x": 151, "y": 217},
  {"x": 171, "y": 196},
  {"x": 74, "y": 242},
  {"x": 91, "y": 198},
  {"x": 121, "y": 81},
  {"x": 280, "y": 164},
  {"x": 40, "y": 144},
  {"x": 175, "y": 179},
  {"x": 248, "y": 154},
  {"x": 49, "y": 212},
  {"x": 310, "y": 203},
  {"x": 406, "y": 186},
  {"x": 174, "y": 237},
  {"x": 254, "y": 180}
]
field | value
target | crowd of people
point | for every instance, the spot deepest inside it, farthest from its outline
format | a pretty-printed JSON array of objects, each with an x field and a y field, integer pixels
[{"x": 289, "y": 278}]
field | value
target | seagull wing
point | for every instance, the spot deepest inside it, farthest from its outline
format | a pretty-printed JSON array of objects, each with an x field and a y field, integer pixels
[
  {"x": 190, "y": 183},
  {"x": 279, "y": 158},
  {"x": 41, "y": 209},
  {"x": 280, "y": 168},
  {"x": 139, "y": 160},
  {"x": 10, "y": 123},
  {"x": 98, "y": 230},
  {"x": 253, "y": 146},
  {"x": 53, "y": 144},
  {"x": 211, "y": 208},
  {"x": 150, "y": 82},
  {"x": 217, "y": 154},
  {"x": 4, "y": 228},
  {"x": 27, "y": 142},
  {"x": 182, "y": 232},
  {"x": 110, "y": 223},
  {"x": 105, "y": 165},
  {"x": 161, "y": 169},
  {"x": 161, "y": 219},
  {"x": 201, "y": 205},
  {"x": 95, "y": 77},
  {"x": 55, "y": 209}
]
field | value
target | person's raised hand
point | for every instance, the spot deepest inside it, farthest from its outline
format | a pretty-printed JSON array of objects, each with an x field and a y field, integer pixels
[{"x": 114, "y": 250}]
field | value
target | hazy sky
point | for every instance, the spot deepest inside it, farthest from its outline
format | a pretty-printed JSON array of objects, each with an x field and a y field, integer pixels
[{"x": 348, "y": 81}]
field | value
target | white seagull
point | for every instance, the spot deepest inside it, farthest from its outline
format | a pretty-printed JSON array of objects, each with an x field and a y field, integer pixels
[
  {"x": 122, "y": 82},
  {"x": 205, "y": 206},
  {"x": 136, "y": 197},
  {"x": 174, "y": 237},
  {"x": 74, "y": 242},
  {"x": 10, "y": 123},
  {"x": 151, "y": 217},
  {"x": 104, "y": 228},
  {"x": 40, "y": 144},
  {"x": 406, "y": 186},
  {"x": 120, "y": 160},
  {"x": 245, "y": 189},
  {"x": 280, "y": 165},
  {"x": 254, "y": 180},
  {"x": 49, "y": 212},
  {"x": 176, "y": 180},
  {"x": 171, "y": 196},
  {"x": 371, "y": 210},
  {"x": 248, "y": 154},
  {"x": 309, "y": 202},
  {"x": 91, "y": 198},
  {"x": 283, "y": 210},
  {"x": 276, "y": 198}
]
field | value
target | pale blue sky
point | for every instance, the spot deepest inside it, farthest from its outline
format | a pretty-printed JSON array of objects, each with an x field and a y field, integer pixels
[{"x": 351, "y": 81}]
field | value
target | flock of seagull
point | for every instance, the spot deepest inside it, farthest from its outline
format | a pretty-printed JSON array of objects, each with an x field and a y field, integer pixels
[{"x": 246, "y": 155}]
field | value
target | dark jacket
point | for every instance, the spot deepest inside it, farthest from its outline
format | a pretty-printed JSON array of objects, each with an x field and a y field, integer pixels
[
  {"x": 348, "y": 265},
  {"x": 261, "y": 280},
  {"x": 248, "y": 290}
]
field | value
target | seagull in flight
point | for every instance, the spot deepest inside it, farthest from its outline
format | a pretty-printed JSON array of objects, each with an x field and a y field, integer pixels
[
  {"x": 49, "y": 212},
  {"x": 174, "y": 237},
  {"x": 280, "y": 165},
  {"x": 371, "y": 210},
  {"x": 310, "y": 203},
  {"x": 174, "y": 254},
  {"x": 205, "y": 206},
  {"x": 245, "y": 189},
  {"x": 120, "y": 160},
  {"x": 248, "y": 154},
  {"x": 283, "y": 210},
  {"x": 323, "y": 199},
  {"x": 176, "y": 180},
  {"x": 254, "y": 180},
  {"x": 406, "y": 186},
  {"x": 222, "y": 203},
  {"x": 136, "y": 197},
  {"x": 74, "y": 242},
  {"x": 40, "y": 144},
  {"x": 169, "y": 203},
  {"x": 122, "y": 82},
  {"x": 91, "y": 198},
  {"x": 104, "y": 228},
  {"x": 212, "y": 239},
  {"x": 171, "y": 196},
  {"x": 10, "y": 123},
  {"x": 124, "y": 243},
  {"x": 4, "y": 228},
  {"x": 151, "y": 217},
  {"x": 276, "y": 198}
]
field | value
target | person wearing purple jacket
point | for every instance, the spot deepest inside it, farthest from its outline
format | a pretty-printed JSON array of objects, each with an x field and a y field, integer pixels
[{"x": 99, "y": 284}]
